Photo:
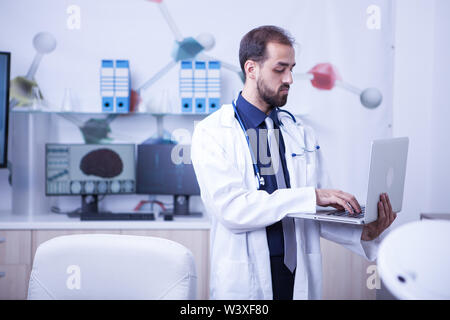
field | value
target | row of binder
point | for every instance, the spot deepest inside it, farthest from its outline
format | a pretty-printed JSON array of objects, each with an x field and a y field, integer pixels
[
  {"x": 199, "y": 86},
  {"x": 115, "y": 86}
]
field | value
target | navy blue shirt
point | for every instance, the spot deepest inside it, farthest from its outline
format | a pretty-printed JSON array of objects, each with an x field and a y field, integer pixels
[{"x": 253, "y": 118}]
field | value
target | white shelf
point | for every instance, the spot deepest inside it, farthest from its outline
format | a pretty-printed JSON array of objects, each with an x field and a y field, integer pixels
[{"x": 50, "y": 111}]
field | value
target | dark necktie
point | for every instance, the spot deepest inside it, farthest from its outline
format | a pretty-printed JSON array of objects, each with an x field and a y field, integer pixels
[{"x": 290, "y": 245}]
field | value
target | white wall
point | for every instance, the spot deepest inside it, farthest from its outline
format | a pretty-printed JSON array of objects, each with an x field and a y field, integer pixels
[
  {"x": 438, "y": 195},
  {"x": 421, "y": 106},
  {"x": 421, "y": 101}
]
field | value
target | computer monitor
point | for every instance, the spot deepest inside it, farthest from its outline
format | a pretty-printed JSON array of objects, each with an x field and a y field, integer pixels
[
  {"x": 166, "y": 169},
  {"x": 5, "y": 62},
  {"x": 89, "y": 170}
]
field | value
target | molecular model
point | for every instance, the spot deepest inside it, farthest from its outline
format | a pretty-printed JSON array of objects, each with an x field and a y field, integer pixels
[{"x": 323, "y": 76}]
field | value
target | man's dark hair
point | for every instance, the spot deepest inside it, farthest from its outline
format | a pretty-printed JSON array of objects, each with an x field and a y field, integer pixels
[{"x": 253, "y": 44}]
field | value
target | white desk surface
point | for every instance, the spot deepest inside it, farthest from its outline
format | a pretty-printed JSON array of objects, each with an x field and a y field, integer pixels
[{"x": 10, "y": 221}]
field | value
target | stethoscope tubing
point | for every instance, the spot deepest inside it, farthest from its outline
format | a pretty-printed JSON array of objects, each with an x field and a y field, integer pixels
[{"x": 260, "y": 180}]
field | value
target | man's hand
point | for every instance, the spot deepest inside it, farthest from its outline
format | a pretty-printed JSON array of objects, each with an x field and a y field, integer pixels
[
  {"x": 337, "y": 199},
  {"x": 385, "y": 218}
]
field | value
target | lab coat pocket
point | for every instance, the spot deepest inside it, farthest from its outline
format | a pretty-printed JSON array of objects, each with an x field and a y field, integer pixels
[
  {"x": 298, "y": 171},
  {"x": 234, "y": 280},
  {"x": 311, "y": 179}
]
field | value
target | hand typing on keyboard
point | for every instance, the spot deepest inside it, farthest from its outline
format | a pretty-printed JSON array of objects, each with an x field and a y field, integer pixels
[
  {"x": 346, "y": 213},
  {"x": 337, "y": 199}
]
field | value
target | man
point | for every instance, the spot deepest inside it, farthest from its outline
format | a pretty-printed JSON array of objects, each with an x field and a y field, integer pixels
[{"x": 256, "y": 251}]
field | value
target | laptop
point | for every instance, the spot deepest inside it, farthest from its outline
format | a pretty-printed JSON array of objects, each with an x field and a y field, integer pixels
[{"x": 386, "y": 175}]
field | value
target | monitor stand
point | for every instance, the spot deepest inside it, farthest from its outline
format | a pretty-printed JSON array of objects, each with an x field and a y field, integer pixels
[
  {"x": 181, "y": 208},
  {"x": 89, "y": 211},
  {"x": 89, "y": 204}
]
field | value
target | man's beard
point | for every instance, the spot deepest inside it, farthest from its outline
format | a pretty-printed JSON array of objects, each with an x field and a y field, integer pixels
[{"x": 272, "y": 98}]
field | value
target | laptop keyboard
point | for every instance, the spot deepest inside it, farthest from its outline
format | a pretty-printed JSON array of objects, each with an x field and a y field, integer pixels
[{"x": 345, "y": 213}]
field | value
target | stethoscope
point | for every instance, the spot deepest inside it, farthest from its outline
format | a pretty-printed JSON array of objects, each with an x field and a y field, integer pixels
[{"x": 260, "y": 180}]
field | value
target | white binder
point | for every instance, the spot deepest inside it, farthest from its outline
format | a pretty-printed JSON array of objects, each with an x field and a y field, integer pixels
[
  {"x": 107, "y": 85},
  {"x": 186, "y": 79},
  {"x": 122, "y": 86},
  {"x": 213, "y": 86},
  {"x": 200, "y": 87}
]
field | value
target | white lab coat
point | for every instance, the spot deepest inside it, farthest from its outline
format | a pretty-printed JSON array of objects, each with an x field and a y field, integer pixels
[{"x": 240, "y": 260}]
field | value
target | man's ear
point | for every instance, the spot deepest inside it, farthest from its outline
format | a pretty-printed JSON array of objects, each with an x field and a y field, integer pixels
[{"x": 250, "y": 69}]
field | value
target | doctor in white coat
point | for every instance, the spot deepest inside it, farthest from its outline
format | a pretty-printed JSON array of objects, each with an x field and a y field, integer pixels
[{"x": 240, "y": 211}]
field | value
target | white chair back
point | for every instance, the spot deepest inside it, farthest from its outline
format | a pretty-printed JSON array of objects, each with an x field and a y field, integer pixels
[{"x": 101, "y": 266}]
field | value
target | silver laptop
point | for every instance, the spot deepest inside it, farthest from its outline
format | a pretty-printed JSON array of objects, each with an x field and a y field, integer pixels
[{"x": 386, "y": 175}]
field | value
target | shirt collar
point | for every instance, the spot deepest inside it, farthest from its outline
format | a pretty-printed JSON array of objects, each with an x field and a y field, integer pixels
[
  {"x": 252, "y": 115},
  {"x": 274, "y": 116}
]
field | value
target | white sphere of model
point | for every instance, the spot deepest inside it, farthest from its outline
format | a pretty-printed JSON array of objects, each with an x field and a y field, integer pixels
[
  {"x": 44, "y": 42},
  {"x": 206, "y": 40},
  {"x": 371, "y": 98}
]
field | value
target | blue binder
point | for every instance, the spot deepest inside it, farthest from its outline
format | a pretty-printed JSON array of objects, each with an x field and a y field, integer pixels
[
  {"x": 122, "y": 86},
  {"x": 186, "y": 86},
  {"x": 200, "y": 87},
  {"x": 107, "y": 85},
  {"x": 213, "y": 85}
]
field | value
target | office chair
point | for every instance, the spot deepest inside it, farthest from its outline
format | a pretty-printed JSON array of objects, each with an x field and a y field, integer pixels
[
  {"x": 414, "y": 261},
  {"x": 119, "y": 267}
]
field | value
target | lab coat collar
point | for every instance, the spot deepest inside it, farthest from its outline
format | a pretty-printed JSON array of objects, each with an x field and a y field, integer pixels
[{"x": 228, "y": 118}]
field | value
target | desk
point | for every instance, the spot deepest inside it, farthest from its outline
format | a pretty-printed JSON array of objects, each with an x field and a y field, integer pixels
[
  {"x": 20, "y": 237},
  {"x": 435, "y": 216}
]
